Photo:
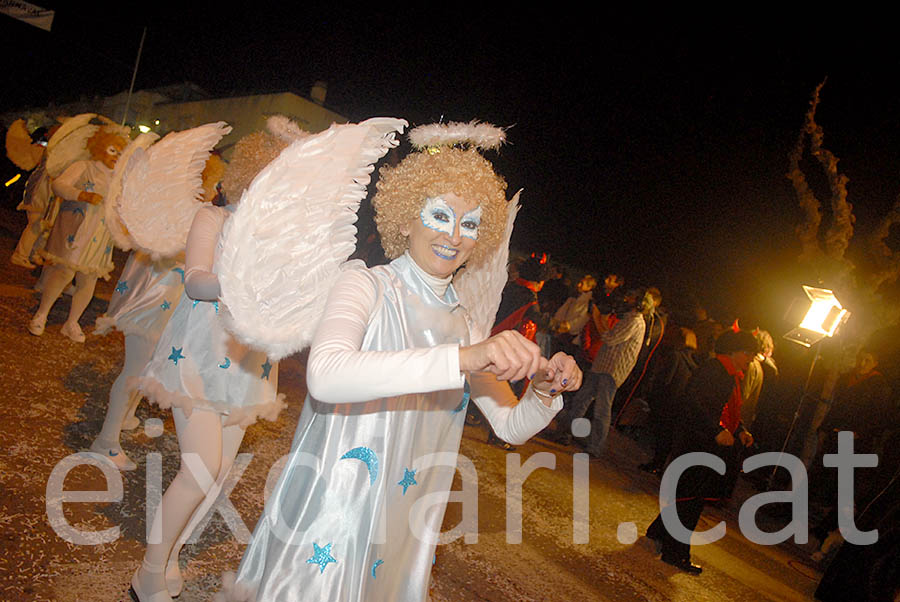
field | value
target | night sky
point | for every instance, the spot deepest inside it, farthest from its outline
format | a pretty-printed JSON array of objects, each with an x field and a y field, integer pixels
[{"x": 653, "y": 144}]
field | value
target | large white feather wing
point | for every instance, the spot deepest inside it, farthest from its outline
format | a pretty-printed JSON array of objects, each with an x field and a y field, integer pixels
[
  {"x": 294, "y": 228},
  {"x": 480, "y": 288},
  {"x": 67, "y": 144},
  {"x": 113, "y": 199},
  {"x": 163, "y": 189}
]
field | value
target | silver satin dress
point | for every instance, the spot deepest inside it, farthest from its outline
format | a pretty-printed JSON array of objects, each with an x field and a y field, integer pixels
[{"x": 336, "y": 526}]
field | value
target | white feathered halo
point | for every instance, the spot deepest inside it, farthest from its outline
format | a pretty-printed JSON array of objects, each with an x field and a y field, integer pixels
[
  {"x": 483, "y": 136},
  {"x": 163, "y": 188},
  {"x": 293, "y": 232}
]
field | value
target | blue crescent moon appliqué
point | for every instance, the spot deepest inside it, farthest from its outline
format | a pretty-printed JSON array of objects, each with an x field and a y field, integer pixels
[
  {"x": 226, "y": 364},
  {"x": 375, "y": 565},
  {"x": 368, "y": 456}
]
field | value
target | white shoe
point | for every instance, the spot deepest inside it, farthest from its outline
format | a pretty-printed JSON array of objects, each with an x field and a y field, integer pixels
[
  {"x": 37, "y": 325},
  {"x": 21, "y": 261},
  {"x": 138, "y": 595},
  {"x": 114, "y": 455},
  {"x": 174, "y": 580},
  {"x": 131, "y": 423},
  {"x": 72, "y": 331}
]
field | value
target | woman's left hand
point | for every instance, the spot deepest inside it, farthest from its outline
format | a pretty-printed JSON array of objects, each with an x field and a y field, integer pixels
[{"x": 561, "y": 374}]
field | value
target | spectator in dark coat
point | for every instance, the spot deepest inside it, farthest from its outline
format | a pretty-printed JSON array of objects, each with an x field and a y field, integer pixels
[
  {"x": 712, "y": 424},
  {"x": 862, "y": 405},
  {"x": 676, "y": 363}
]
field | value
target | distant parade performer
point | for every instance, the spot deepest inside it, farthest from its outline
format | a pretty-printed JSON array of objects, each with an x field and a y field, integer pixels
[
  {"x": 26, "y": 151},
  {"x": 148, "y": 290},
  {"x": 80, "y": 245}
]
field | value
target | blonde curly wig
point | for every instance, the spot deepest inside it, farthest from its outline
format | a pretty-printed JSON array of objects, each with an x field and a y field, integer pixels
[
  {"x": 251, "y": 154},
  {"x": 101, "y": 140},
  {"x": 212, "y": 175},
  {"x": 402, "y": 190}
]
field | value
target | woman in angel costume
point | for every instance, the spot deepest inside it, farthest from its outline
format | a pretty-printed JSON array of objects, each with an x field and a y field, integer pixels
[
  {"x": 398, "y": 353},
  {"x": 79, "y": 245},
  {"x": 148, "y": 290},
  {"x": 215, "y": 386}
]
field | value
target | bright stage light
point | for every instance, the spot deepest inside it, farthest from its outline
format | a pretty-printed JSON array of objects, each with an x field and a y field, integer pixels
[
  {"x": 822, "y": 319},
  {"x": 144, "y": 128},
  {"x": 13, "y": 180}
]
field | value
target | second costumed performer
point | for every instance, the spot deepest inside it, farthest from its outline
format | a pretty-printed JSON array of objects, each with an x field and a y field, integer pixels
[
  {"x": 215, "y": 385},
  {"x": 398, "y": 353},
  {"x": 149, "y": 289}
]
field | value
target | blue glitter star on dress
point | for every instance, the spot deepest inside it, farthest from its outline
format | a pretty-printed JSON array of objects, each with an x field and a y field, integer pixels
[
  {"x": 176, "y": 355},
  {"x": 196, "y": 301},
  {"x": 180, "y": 271},
  {"x": 375, "y": 565},
  {"x": 122, "y": 287},
  {"x": 89, "y": 186},
  {"x": 467, "y": 394},
  {"x": 70, "y": 238},
  {"x": 216, "y": 305},
  {"x": 265, "y": 370},
  {"x": 165, "y": 305},
  {"x": 77, "y": 210},
  {"x": 107, "y": 249},
  {"x": 321, "y": 556},
  {"x": 369, "y": 457},
  {"x": 409, "y": 478}
]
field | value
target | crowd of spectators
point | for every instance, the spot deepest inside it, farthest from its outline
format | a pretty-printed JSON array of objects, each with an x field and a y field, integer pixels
[{"x": 684, "y": 382}]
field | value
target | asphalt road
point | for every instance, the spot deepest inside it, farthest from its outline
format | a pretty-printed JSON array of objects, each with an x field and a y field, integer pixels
[{"x": 53, "y": 400}]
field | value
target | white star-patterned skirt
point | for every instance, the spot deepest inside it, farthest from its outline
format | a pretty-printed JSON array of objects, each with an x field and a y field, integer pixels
[
  {"x": 198, "y": 364},
  {"x": 144, "y": 298}
]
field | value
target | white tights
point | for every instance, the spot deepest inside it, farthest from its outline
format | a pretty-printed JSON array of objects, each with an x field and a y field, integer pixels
[
  {"x": 30, "y": 236},
  {"x": 203, "y": 438},
  {"x": 122, "y": 400},
  {"x": 57, "y": 279}
]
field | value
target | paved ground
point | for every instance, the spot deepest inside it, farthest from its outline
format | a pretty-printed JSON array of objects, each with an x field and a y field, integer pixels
[{"x": 53, "y": 401}]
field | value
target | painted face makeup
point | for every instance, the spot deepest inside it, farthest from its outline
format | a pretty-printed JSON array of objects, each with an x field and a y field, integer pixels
[
  {"x": 440, "y": 241},
  {"x": 440, "y": 217},
  {"x": 111, "y": 156},
  {"x": 468, "y": 225}
]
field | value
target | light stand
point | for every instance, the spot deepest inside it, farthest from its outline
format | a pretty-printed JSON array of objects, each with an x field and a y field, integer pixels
[{"x": 822, "y": 319}]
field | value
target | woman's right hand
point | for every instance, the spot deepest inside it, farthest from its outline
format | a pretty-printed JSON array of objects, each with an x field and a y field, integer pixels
[{"x": 507, "y": 354}]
